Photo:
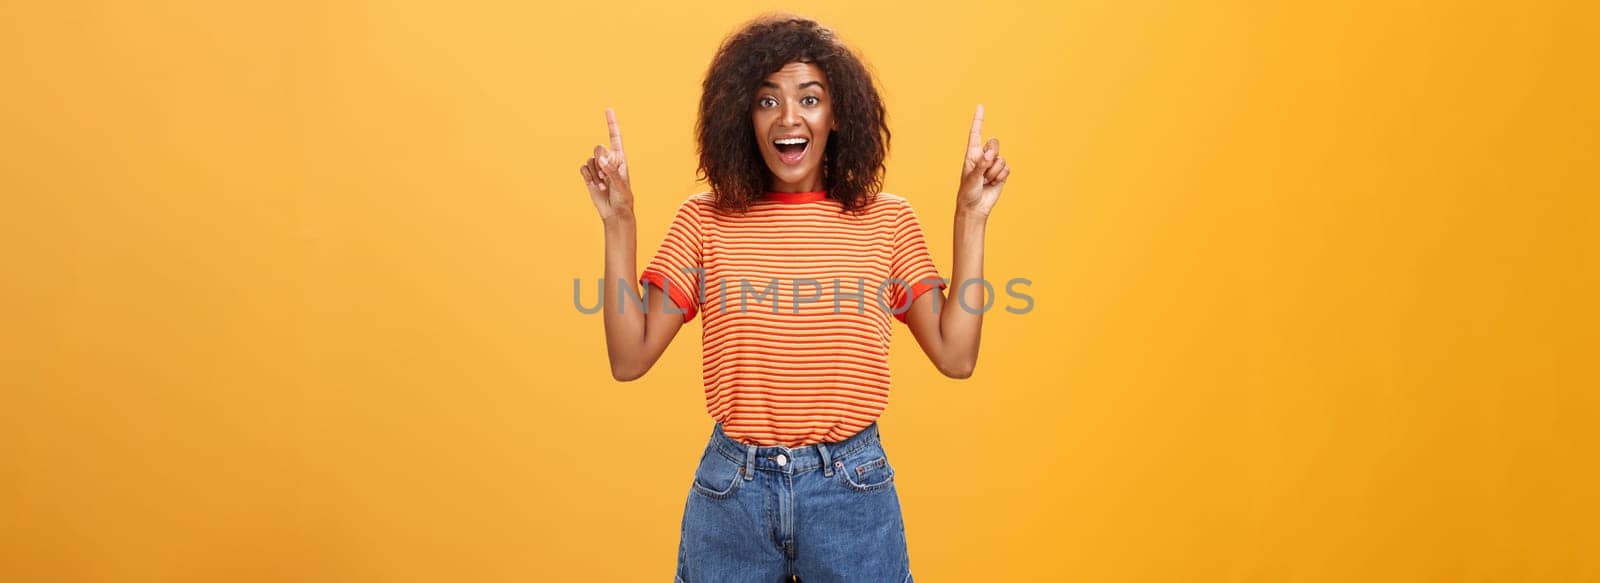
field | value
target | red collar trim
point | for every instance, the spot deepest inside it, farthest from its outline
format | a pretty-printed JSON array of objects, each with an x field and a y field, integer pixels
[{"x": 796, "y": 196}]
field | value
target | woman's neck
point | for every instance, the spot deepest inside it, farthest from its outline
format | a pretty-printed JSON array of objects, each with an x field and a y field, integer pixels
[{"x": 812, "y": 185}]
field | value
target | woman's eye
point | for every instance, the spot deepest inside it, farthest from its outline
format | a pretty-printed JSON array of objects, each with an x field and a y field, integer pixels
[
  {"x": 810, "y": 100},
  {"x": 768, "y": 102}
]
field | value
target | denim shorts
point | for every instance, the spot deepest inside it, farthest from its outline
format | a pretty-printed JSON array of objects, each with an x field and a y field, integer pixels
[{"x": 821, "y": 513}]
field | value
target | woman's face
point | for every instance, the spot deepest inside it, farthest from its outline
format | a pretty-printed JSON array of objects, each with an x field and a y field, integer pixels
[{"x": 793, "y": 117}]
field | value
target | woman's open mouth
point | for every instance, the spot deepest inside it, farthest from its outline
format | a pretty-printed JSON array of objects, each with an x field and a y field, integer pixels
[{"x": 791, "y": 150}]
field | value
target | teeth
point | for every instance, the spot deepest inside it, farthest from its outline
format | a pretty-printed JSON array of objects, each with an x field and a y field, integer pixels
[{"x": 787, "y": 141}]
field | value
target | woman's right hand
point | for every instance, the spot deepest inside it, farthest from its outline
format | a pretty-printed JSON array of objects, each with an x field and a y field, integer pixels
[{"x": 606, "y": 175}]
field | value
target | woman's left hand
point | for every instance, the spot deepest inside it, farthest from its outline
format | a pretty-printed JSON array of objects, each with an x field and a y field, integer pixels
[{"x": 983, "y": 173}]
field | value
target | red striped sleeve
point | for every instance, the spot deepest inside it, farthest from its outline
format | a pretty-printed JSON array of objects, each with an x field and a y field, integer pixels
[
  {"x": 677, "y": 266},
  {"x": 911, "y": 262}
]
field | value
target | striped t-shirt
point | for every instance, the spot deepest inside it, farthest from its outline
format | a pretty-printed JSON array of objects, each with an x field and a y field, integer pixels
[{"x": 795, "y": 298}]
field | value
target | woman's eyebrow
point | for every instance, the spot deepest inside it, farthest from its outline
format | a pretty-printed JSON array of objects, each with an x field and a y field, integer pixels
[{"x": 803, "y": 85}]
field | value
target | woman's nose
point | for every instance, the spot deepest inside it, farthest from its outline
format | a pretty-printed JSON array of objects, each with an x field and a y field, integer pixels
[{"x": 791, "y": 115}]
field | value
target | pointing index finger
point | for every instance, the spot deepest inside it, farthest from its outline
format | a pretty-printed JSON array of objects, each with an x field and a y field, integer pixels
[
  {"x": 975, "y": 138},
  {"x": 616, "y": 134}
]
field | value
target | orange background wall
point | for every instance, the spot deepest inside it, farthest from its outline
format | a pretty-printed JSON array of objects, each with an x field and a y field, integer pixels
[{"x": 288, "y": 290}]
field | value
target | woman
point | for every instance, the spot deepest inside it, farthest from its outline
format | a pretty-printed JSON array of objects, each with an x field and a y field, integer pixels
[{"x": 796, "y": 263}]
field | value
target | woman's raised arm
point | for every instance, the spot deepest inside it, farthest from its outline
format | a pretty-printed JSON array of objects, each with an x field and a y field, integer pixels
[
  {"x": 635, "y": 339},
  {"x": 949, "y": 335}
]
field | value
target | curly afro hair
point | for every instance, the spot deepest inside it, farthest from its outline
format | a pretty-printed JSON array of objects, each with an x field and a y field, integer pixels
[{"x": 730, "y": 159}]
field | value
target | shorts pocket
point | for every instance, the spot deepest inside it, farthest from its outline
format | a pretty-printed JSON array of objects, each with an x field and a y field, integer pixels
[
  {"x": 866, "y": 473},
  {"x": 717, "y": 477}
]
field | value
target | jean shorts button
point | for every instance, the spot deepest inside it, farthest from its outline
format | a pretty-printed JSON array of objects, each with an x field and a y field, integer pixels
[{"x": 781, "y": 459}]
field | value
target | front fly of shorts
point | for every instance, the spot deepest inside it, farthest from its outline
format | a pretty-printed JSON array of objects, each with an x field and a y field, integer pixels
[{"x": 823, "y": 513}]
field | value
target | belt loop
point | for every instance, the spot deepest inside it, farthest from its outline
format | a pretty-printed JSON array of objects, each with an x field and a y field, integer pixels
[
  {"x": 750, "y": 461},
  {"x": 827, "y": 461}
]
